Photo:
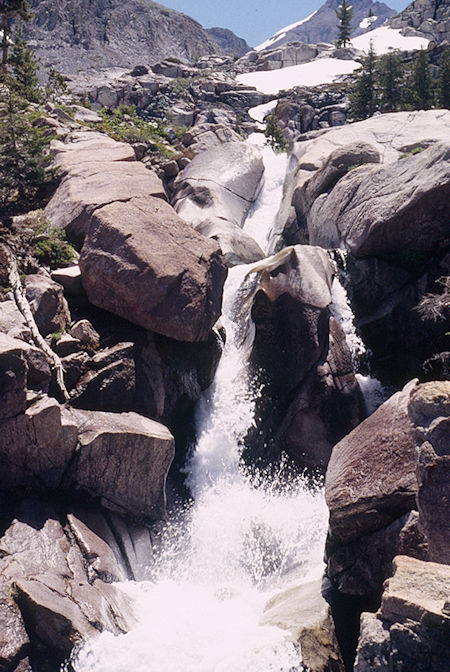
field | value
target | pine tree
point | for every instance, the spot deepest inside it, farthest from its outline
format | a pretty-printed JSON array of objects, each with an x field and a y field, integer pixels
[
  {"x": 274, "y": 133},
  {"x": 24, "y": 156},
  {"x": 344, "y": 15},
  {"x": 443, "y": 87},
  {"x": 390, "y": 78},
  {"x": 363, "y": 99},
  {"x": 422, "y": 84},
  {"x": 10, "y": 9},
  {"x": 24, "y": 69}
]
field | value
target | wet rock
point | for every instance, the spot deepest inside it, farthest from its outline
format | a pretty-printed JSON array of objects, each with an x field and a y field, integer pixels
[
  {"x": 221, "y": 182},
  {"x": 370, "y": 478},
  {"x": 142, "y": 262},
  {"x": 135, "y": 485},
  {"x": 326, "y": 408},
  {"x": 304, "y": 613},
  {"x": 48, "y": 305},
  {"x": 237, "y": 246}
]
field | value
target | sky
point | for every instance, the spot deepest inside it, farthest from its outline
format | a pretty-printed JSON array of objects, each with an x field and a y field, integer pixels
[{"x": 254, "y": 20}]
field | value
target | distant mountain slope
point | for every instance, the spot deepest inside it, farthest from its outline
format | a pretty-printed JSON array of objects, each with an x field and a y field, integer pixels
[
  {"x": 78, "y": 34},
  {"x": 228, "y": 41},
  {"x": 321, "y": 26}
]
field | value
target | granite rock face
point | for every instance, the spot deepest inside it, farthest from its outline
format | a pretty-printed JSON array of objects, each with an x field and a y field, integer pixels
[
  {"x": 73, "y": 35},
  {"x": 141, "y": 262},
  {"x": 410, "y": 630},
  {"x": 429, "y": 411}
]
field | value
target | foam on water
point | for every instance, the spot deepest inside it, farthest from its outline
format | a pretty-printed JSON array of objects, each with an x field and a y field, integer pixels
[{"x": 243, "y": 537}]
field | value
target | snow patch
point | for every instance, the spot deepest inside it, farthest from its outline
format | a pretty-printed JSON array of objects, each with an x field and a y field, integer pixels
[
  {"x": 260, "y": 111},
  {"x": 367, "y": 22},
  {"x": 386, "y": 38},
  {"x": 282, "y": 33},
  {"x": 321, "y": 71}
]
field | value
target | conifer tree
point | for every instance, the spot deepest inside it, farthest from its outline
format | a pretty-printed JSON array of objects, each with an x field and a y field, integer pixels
[
  {"x": 9, "y": 10},
  {"x": 274, "y": 133},
  {"x": 24, "y": 158},
  {"x": 390, "y": 78},
  {"x": 423, "y": 93},
  {"x": 344, "y": 15},
  {"x": 23, "y": 66},
  {"x": 443, "y": 87},
  {"x": 363, "y": 99}
]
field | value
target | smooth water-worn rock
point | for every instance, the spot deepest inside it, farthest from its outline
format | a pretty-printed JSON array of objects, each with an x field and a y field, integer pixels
[
  {"x": 140, "y": 261},
  {"x": 237, "y": 246},
  {"x": 385, "y": 210},
  {"x": 123, "y": 459},
  {"x": 221, "y": 182},
  {"x": 305, "y": 614},
  {"x": 371, "y": 478}
]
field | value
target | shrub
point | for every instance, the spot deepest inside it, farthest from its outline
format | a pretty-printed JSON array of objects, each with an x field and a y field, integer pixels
[{"x": 53, "y": 249}]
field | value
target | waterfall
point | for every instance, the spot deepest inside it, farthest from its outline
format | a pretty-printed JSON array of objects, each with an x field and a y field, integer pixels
[
  {"x": 243, "y": 537},
  {"x": 372, "y": 389}
]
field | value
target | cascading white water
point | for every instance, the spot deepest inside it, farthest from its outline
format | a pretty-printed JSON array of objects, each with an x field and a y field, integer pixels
[
  {"x": 244, "y": 536},
  {"x": 372, "y": 389}
]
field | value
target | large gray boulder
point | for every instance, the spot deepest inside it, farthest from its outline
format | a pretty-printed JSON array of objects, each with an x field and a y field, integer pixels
[
  {"x": 98, "y": 171},
  {"x": 220, "y": 182},
  {"x": 141, "y": 262},
  {"x": 237, "y": 246},
  {"x": 13, "y": 376},
  {"x": 429, "y": 411},
  {"x": 34, "y": 449},
  {"x": 385, "y": 210},
  {"x": 410, "y": 630},
  {"x": 47, "y": 303},
  {"x": 311, "y": 398},
  {"x": 371, "y": 478},
  {"x": 306, "y": 616},
  {"x": 123, "y": 459},
  {"x": 391, "y": 135}
]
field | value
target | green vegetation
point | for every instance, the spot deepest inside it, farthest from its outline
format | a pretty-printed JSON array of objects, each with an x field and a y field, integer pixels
[
  {"x": 274, "y": 134},
  {"x": 362, "y": 99},
  {"x": 124, "y": 124},
  {"x": 53, "y": 249},
  {"x": 344, "y": 15},
  {"x": 387, "y": 84},
  {"x": 9, "y": 10}
]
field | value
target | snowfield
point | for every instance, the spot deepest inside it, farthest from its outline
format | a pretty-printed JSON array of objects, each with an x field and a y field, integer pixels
[
  {"x": 386, "y": 38},
  {"x": 259, "y": 112},
  {"x": 320, "y": 71}
]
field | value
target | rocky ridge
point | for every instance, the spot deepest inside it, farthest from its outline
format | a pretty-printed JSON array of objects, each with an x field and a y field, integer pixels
[{"x": 81, "y": 35}]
